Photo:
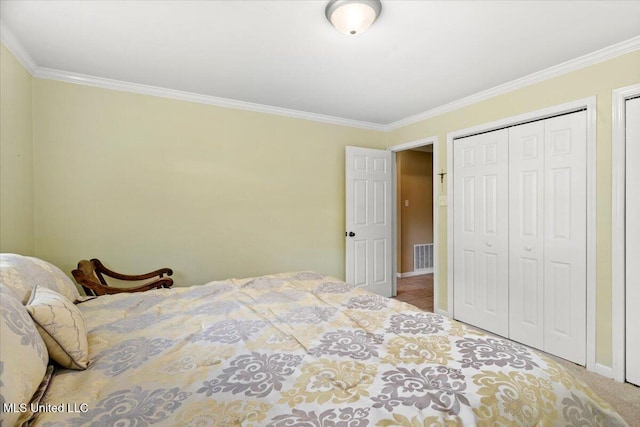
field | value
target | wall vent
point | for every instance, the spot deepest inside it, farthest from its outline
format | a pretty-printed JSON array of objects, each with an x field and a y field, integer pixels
[{"x": 423, "y": 258}]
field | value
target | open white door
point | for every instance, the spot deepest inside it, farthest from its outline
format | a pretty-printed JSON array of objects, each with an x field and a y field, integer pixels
[{"x": 368, "y": 219}]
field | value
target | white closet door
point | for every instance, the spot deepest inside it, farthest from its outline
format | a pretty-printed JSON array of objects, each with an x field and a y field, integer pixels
[
  {"x": 481, "y": 231},
  {"x": 526, "y": 243},
  {"x": 632, "y": 240},
  {"x": 565, "y": 237}
]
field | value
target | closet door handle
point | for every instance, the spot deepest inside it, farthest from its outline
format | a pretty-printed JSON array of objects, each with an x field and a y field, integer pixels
[
  {"x": 489, "y": 244},
  {"x": 527, "y": 248}
]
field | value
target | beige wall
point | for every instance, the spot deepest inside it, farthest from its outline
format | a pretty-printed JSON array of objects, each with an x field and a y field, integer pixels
[
  {"x": 599, "y": 80},
  {"x": 415, "y": 170},
  {"x": 16, "y": 157},
  {"x": 143, "y": 182}
]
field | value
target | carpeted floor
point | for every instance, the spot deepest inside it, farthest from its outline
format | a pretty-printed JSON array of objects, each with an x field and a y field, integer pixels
[{"x": 624, "y": 397}]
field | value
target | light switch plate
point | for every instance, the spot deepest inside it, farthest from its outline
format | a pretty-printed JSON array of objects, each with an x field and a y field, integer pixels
[{"x": 442, "y": 200}]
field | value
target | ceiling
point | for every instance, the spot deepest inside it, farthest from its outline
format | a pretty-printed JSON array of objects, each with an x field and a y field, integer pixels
[{"x": 419, "y": 55}]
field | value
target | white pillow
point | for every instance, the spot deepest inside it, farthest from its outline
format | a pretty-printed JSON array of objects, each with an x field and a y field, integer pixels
[
  {"x": 23, "y": 355},
  {"x": 22, "y": 273},
  {"x": 58, "y": 281},
  {"x": 62, "y": 327}
]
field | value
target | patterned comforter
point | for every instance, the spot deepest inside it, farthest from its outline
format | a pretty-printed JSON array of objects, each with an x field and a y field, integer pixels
[{"x": 303, "y": 349}]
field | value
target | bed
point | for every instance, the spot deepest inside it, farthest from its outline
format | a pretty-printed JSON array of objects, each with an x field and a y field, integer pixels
[{"x": 292, "y": 349}]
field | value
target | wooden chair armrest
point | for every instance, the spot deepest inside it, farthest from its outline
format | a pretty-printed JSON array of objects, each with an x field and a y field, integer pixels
[
  {"x": 100, "y": 289},
  {"x": 157, "y": 273}
]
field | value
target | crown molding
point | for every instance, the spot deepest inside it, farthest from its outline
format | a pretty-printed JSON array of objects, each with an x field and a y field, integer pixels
[
  {"x": 123, "y": 86},
  {"x": 596, "y": 57},
  {"x": 16, "y": 48}
]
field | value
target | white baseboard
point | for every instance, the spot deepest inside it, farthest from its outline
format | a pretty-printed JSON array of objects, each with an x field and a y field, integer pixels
[
  {"x": 415, "y": 273},
  {"x": 605, "y": 371}
]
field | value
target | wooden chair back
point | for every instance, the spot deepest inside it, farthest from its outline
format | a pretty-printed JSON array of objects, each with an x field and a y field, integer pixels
[
  {"x": 90, "y": 275},
  {"x": 86, "y": 276}
]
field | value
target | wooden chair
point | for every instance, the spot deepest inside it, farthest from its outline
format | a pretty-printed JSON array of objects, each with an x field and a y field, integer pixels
[{"x": 90, "y": 275}]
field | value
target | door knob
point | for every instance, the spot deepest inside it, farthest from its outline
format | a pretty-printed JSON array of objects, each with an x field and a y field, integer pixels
[
  {"x": 351, "y": 234},
  {"x": 489, "y": 244},
  {"x": 527, "y": 248}
]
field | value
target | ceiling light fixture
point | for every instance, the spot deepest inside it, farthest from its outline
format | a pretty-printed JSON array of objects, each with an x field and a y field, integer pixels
[{"x": 352, "y": 16}]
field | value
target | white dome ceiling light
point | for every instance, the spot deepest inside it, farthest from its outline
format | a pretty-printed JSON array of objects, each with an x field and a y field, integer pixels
[{"x": 353, "y": 17}]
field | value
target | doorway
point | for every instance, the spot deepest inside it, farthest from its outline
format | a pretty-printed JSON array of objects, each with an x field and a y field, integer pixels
[{"x": 415, "y": 222}]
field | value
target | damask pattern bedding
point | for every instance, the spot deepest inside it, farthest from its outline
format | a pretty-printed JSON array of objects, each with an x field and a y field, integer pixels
[{"x": 303, "y": 349}]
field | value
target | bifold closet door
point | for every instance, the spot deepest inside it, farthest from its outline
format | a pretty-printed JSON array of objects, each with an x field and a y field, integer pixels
[
  {"x": 547, "y": 235},
  {"x": 481, "y": 240},
  {"x": 526, "y": 233},
  {"x": 565, "y": 236},
  {"x": 632, "y": 240}
]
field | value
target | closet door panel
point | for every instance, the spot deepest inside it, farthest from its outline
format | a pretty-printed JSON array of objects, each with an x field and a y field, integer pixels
[
  {"x": 481, "y": 231},
  {"x": 565, "y": 236},
  {"x": 632, "y": 241},
  {"x": 526, "y": 243}
]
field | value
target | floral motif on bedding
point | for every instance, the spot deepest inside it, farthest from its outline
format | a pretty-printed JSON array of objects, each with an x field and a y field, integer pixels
[
  {"x": 219, "y": 307},
  {"x": 356, "y": 344},
  {"x": 579, "y": 413},
  {"x": 412, "y": 349},
  {"x": 515, "y": 397},
  {"x": 480, "y": 352},
  {"x": 399, "y": 420},
  {"x": 303, "y": 349},
  {"x": 232, "y": 413},
  {"x": 309, "y": 315},
  {"x": 133, "y": 323},
  {"x": 18, "y": 321},
  {"x": 178, "y": 364},
  {"x": 368, "y": 302},
  {"x": 129, "y": 354},
  {"x": 334, "y": 288},
  {"x": 331, "y": 381},
  {"x": 436, "y": 387},
  {"x": 229, "y": 331},
  {"x": 253, "y": 374},
  {"x": 135, "y": 406},
  {"x": 329, "y": 418},
  {"x": 416, "y": 323}
]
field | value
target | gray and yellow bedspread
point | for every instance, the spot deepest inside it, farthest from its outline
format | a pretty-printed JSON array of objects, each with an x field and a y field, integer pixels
[{"x": 303, "y": 349}]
